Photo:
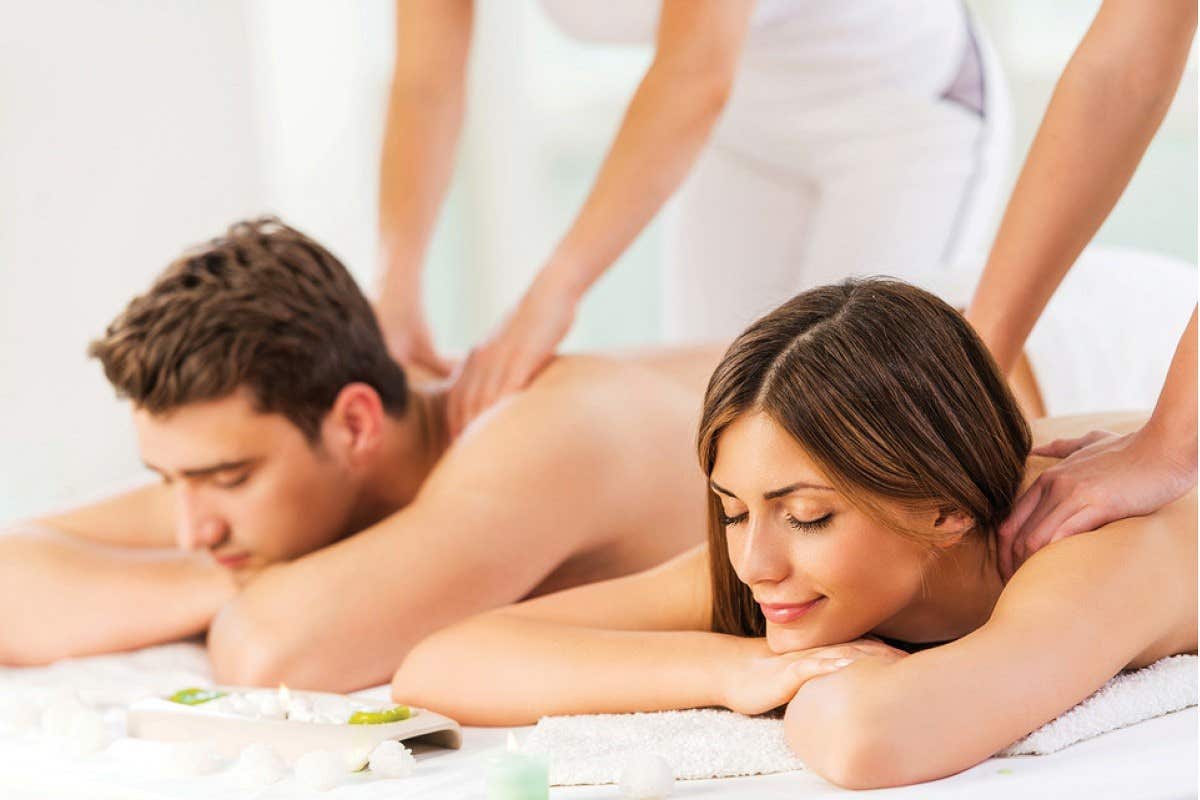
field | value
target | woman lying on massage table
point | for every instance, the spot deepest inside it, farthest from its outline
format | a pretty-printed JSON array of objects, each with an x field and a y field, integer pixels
[{"x": 862, "y": 450}]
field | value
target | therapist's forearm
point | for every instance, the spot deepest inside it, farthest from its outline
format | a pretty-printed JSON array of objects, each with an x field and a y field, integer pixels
[
  {"x": 61, "y": 597},
  {"x": 423, "y": 126},
  {"x": 500, "y": 669},
  {"x": 1105, "y": 109},
  {"x": 1171, "y": 429},
  {"x": 664, "y": 129}
]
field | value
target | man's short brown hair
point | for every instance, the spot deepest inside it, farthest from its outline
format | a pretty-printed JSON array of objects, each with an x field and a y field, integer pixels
[{"x": 262, "y": 308}]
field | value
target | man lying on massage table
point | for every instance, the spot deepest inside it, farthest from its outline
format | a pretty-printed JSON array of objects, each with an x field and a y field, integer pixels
[{"x": 264, "y": 397}]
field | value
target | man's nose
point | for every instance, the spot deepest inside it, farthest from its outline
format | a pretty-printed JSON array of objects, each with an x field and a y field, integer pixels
[{"x": 197, "y": 527}]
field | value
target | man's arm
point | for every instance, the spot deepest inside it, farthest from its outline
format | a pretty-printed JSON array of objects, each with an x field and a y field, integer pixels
[
  {"x": 62, "y": 596},
  {"x": 511, "y": 501},
  {"x": 142, "y": 517},
  {"x": 1106, "y": 108}
]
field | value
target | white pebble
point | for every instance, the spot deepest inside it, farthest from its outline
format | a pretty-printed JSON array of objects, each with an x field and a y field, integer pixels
[
  {"x": 647, "y": 777},
  {"x": 319, "y": 769},
  {"x": 270, "y": 707},
  {"x": 300, "y": 710},
  {"x": 88, "y": 733},
  {"x": 390, "y": 759},
  {"x": 259, "y": 765},
  {"x": 18, "y": 713},
  {"x": 187, "y": 759},
  {"x": 60, "y": 713}
]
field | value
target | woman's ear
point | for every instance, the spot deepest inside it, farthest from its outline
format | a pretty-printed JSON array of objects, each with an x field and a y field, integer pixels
[
  {"x": 953, "y": 524},
  {"x": 356, "y": 422}
]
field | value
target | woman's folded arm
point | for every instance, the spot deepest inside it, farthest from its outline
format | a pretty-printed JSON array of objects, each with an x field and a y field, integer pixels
[
  {"x": 1075, "y": 615},
  {"x": 637, "y": 643},
  {"x": 501, "y": 669}
]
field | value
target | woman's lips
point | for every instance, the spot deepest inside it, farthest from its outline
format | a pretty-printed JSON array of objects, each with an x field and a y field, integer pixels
[
  {"x": 230, "y": 561},
  {"x": 783, "y": 613}
]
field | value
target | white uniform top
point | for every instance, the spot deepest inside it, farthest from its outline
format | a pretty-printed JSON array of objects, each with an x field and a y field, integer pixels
[{"x": 801, "y": 56}]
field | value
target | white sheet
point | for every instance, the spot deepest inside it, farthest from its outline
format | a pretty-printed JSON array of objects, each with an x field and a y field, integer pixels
[{"x": 1153, "y": 759}]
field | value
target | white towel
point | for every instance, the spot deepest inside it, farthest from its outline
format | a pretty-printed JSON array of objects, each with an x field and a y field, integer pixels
[{"x": 709, "y": 743}]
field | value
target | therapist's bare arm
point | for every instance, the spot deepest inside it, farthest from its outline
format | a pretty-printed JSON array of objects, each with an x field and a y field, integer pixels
[
  {"x": 668, "y": 121},
  {"x": 1106, "y": 108},
  {"x": 61, "y": 596},
  {"x": 424, "y": 119}
]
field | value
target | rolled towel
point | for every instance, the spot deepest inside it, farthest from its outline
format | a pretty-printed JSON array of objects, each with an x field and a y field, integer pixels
[
  {"x": 712, "y": 743},
  {"x": 1167, "y": 685}
]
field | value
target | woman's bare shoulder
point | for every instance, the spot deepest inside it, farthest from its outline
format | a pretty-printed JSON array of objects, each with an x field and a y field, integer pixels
[
  {"x": 1047, "y": 429},
  {"x": 1134, "y": 578}
]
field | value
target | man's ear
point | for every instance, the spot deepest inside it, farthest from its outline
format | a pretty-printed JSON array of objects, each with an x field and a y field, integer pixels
[
  {"x": 355, "y": 423},
  {"x": 953, "y": 524}
]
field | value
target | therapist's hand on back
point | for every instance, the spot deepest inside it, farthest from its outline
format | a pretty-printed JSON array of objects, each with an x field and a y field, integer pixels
[
  {"x": 408, "y": 337},
  {"x": 514, "y": 354},
  {"x": 1103, "y": 477}
]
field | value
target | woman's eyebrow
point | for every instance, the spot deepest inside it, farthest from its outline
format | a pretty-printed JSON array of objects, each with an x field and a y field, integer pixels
[
  {"x": 774, "y": 493},
  {"x": 771, "y": 495}
]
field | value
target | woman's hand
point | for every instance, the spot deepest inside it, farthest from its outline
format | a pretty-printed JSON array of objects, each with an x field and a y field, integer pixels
[
  {"x": 407, "y": 334},
  {"x": 506, "y": 363},
  {"x": 762, "y": 680},
  {"x": 1103, "y": 478}
]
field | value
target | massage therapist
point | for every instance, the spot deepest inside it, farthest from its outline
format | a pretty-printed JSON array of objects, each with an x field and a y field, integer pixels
[{"x": 809, "y": 140}]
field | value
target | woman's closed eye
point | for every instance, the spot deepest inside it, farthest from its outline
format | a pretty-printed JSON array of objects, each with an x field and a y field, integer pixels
[
  {"x": 738, "y": 519},
  {"x": 798, "y": 524},
  {"x": 809, "y": 524}
]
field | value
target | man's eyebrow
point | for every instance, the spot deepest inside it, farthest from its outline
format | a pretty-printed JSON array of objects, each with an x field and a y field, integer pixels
[
  {"x": 200, "y": 472},
  {"x": 774, "y": 493}
]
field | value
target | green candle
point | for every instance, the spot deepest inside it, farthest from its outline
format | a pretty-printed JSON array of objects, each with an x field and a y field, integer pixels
[{"x": 513, "y": 775}]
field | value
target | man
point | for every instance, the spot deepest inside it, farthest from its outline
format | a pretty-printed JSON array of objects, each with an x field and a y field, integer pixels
[{"x": 314, "y": 517}]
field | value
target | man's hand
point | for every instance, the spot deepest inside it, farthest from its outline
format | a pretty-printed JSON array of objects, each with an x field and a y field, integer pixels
[
  {"x": 513, "y": 356},
  {"x": 1103, "y": 478},
  {"x": 763, "y": 680}
]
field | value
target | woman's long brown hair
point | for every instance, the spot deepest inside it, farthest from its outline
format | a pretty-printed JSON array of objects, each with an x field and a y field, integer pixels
[{"x": 894, "y": 396}]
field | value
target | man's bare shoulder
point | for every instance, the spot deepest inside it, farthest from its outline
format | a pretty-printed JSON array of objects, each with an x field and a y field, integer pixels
[
  {"x": 532, "y": 440},
  {"x": 583, "y": 432}
]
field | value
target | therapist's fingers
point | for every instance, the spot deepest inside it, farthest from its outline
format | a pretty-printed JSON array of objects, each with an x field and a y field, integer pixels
[
  {"x": 1061, "y": 448},
  {"x": 1058, "y": 502},
  {"x": 1088, "y": 518},
  {"x": 460, "y": 392},
  {"x": 1010, "y": 530}
]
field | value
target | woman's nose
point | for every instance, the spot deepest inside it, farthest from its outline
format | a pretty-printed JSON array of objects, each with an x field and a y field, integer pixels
[{"x": 764, "y": 558}]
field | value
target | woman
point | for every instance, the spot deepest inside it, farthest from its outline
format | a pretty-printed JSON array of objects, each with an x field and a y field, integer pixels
[
  {"x": 801, "y": 134},
  {"x": 862, "y": 449}
]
